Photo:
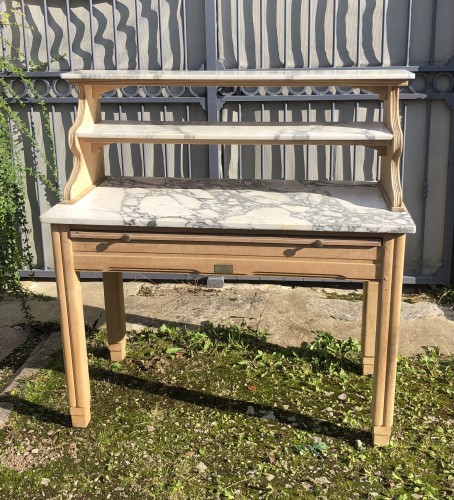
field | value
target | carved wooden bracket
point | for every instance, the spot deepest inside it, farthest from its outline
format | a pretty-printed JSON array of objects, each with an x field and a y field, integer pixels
[
  {"x": 88, "y": 167},
  {"x": 390, "y": 166},
  {"x": 389, "y": 183}
]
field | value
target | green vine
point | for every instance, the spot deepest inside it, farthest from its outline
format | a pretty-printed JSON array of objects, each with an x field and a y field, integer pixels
[{"x": 15, "y": 248}]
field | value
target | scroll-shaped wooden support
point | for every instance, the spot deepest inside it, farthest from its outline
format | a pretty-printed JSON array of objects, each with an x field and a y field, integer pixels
[
  {"x": 389, "y": 182},
  {"x": 88, "y": 167}
]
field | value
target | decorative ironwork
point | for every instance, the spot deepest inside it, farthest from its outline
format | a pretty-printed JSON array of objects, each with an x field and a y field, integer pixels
[{"x": 426, "y": 85}]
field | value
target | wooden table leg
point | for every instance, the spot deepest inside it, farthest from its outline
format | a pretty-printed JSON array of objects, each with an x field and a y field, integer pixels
[
  {"x": 389, "y": 305},
  {"x": 394, "y": 326},
  {"x": 115, "y": 314},
  {"x": 72, "y": 328},
  {"x": 369, "y": 326}
]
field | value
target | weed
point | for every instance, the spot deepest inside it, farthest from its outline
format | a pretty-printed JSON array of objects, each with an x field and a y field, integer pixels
[
  {"x": 445, "y": 296},
  {"x": 326, "y": 352}
]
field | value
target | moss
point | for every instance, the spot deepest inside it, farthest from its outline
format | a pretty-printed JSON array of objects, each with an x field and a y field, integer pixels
[
  {"x": 352, "y": 296},
  {"x": 221, "y": 413}
]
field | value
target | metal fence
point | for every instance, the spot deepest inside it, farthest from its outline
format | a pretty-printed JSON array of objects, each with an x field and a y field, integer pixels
[{"x": 55, "y": 36}]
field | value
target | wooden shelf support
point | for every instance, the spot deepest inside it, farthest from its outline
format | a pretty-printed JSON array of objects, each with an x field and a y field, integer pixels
[
  {"x": 390, "y": 164},
  {"x": 88, "y": 166}
]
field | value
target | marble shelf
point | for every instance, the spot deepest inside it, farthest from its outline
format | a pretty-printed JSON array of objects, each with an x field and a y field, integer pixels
[
  {"x": 108, "y": 132},
  {"x": 233, "y": 204},
  {"x": 264, "y": 77}
]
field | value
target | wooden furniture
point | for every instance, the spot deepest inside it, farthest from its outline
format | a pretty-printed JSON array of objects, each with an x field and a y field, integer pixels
[{"x": 239, "y": 227}]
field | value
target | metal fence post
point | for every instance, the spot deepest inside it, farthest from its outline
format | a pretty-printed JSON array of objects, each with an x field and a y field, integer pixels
[
  {"x": 449, "y": 222},
  {"x": 211, "y": 97}
]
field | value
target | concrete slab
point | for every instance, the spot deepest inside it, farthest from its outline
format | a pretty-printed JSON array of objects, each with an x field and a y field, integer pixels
[
  {"x": 37, "y": 360},
  {"x": 46, "y": 309},
  {"x": 10, "y": 339},
  {"x": 290, "y": 314}
]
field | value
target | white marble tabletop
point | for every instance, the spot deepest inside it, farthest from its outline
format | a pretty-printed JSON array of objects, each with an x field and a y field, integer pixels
[
  {"x": 235, "y": 133},
  {"x": 284, "y": 77},
  {"x": 233, "y": 204}
]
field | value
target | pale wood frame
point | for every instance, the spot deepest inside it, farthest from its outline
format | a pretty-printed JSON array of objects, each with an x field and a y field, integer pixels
[
  {"x": 387, "y": 340},
  {"x": 377, "y": 261},
  {"x": 381, "y": 309},
  {"x": 114, "y": 304},
  {"x": 89, "y": 171},
  {"x": 245, "y": 252},
  {"x": 389, "y": 182},
  {"x": 88, "y": 168},
  {"x": 72, "y": 328},
  {"x": 369, "y": 325}
]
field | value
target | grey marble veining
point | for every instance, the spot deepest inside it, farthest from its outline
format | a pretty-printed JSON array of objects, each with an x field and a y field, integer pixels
[
  {"x": 242, "y": 77},
  {"x": 235, "y": 133},
  {"x": 233, "y": 204}
]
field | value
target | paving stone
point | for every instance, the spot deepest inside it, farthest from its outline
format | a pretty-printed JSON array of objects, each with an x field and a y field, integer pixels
[
  {"x": 10, "y": 339},
  {"x": 37, "y": 360}
]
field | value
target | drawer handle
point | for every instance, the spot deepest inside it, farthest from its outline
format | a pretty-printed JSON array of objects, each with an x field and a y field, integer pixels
[
  {"x": 318, "y": 244},
  {"x": 126, "y": 238}
]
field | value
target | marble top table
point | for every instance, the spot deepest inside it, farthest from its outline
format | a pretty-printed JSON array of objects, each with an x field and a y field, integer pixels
[{"x": 233, "y": 204}]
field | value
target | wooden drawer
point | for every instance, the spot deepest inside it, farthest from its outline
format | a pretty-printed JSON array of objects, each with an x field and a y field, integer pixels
[{"x": 346, "y": 257}]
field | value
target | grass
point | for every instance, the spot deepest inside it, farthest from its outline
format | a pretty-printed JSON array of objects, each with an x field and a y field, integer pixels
[{"x": 221, "y": 413}]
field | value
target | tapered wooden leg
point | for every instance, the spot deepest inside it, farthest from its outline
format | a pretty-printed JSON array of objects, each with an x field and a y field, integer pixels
[
  {"x": 369, "y": 326},
  {"x": 72, "y": 328},
  {"x": 394, "y": 326},
  {"x": 115, "y": 314},
  {"x": 389, "y": 305}
]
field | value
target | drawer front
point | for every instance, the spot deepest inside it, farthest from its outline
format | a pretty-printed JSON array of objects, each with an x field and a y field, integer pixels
[{"x": 353, "y": 258}]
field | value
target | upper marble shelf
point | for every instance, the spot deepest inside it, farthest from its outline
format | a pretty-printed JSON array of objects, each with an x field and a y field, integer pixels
[
  {"x": 107, "y": 132},
  {"x": 265, "y": 77},
  {"x": 233, "y": 204}
]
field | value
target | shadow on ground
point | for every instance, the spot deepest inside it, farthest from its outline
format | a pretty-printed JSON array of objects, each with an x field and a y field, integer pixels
[
  {"x": 316, "y": 355},
  {"x": 302, "y": 421}
]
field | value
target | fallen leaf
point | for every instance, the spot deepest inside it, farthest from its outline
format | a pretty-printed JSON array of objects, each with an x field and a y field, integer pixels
[
  {"x": 322, "y": 480},
  {"x": 201, "y": 467}
]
